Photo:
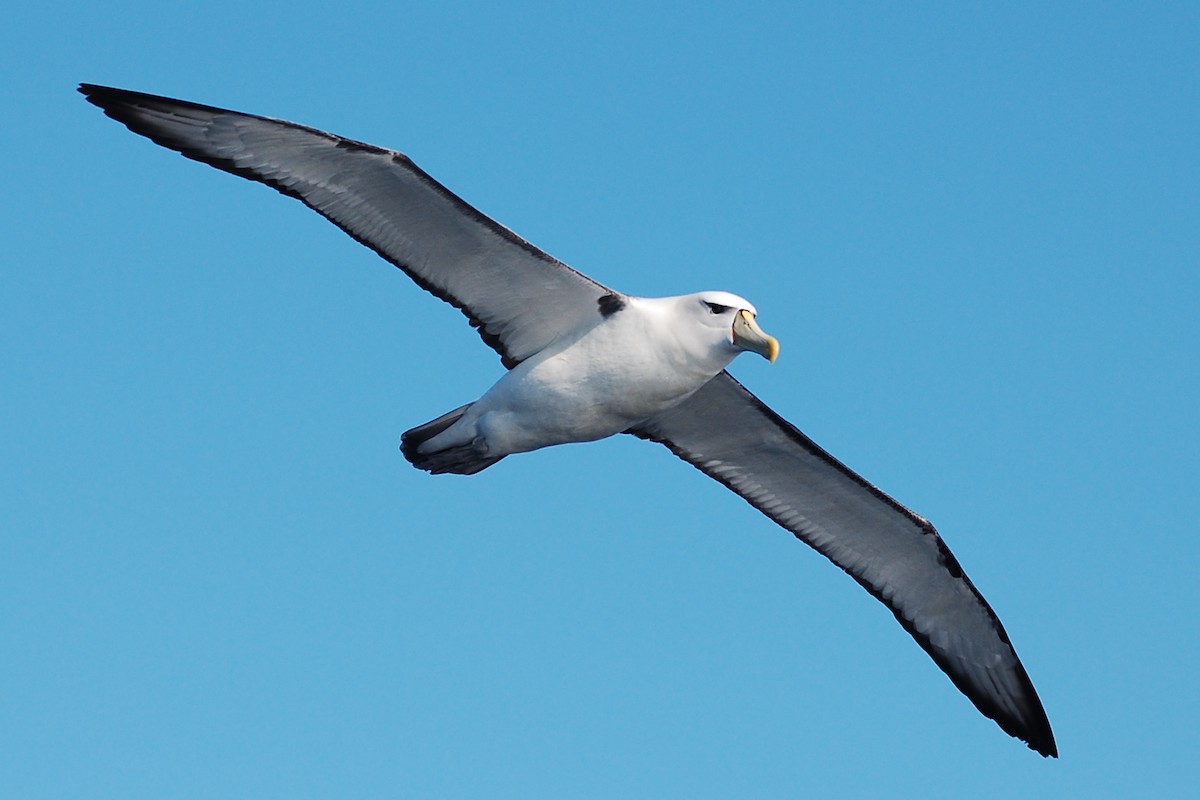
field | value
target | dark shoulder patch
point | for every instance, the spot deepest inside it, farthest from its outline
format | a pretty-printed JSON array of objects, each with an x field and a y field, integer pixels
[{"x": 610, "y": 304}]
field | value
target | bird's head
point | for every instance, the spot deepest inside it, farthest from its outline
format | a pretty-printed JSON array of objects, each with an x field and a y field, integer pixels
[{"x": 732, "y": 320}]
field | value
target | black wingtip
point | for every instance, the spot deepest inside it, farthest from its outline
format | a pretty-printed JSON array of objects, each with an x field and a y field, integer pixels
[
  {"x": 1041, "y": 738},
  {"x": 102, "y": 96},
  {"x": 1042, "y": 741},
  {"x": 117, "y": 103},
  {"x": 1032, "y": 725},
  {"x": 93, "y": 93}
]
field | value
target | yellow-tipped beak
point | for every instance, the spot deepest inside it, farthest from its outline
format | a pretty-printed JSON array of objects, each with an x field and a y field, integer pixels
[{"x": 748, "y": 336}]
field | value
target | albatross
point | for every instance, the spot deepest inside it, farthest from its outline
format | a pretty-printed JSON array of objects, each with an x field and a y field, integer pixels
[{"x": 585, "y": 362}]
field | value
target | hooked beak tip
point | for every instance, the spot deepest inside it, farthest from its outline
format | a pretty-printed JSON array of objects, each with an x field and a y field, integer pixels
[{"x": 748, "y": 336}]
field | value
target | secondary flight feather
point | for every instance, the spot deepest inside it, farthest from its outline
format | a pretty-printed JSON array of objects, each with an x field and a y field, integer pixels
[{"x": 585, "y": 361}]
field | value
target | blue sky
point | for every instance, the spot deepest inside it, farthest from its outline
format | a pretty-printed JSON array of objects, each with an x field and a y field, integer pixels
[{"x": 975, "y": 231}]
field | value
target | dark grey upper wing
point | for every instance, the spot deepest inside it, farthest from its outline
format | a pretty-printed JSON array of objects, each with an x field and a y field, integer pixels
[
  {"x": 897, "y": 556},
  {"x": 389, "y": 204}
]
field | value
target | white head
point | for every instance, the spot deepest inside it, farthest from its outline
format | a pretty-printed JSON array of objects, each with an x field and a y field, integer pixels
[{"x": 727, "y": 322}]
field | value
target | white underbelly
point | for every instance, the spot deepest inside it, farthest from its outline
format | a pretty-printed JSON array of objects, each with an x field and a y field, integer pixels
[{"x": 564, "y": 399}]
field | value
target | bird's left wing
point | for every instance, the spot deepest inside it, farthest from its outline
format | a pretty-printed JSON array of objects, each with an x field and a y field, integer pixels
[
  {"x": 896, "y": 555},
  {"x": 384, "y": 200}
]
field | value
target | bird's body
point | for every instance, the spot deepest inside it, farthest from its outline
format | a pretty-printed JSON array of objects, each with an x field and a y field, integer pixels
[
  {"x": 643, "y": 356},
  {"x": 587, "y": 362}
]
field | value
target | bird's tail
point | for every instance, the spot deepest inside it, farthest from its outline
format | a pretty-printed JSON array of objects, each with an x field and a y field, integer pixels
[{"x": 462, "y": 459}]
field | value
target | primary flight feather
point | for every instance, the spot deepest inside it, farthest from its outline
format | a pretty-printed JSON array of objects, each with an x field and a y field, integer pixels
[{"x": 585, "y": 362}]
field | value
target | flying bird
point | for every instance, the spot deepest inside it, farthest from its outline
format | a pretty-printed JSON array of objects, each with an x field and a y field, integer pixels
[{"x": 585, "y": 362}]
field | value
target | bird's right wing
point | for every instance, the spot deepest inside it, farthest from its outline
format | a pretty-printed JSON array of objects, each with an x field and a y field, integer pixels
[
  {"x": 896, "y": 555},
  {"x": 384, "y": 200}
]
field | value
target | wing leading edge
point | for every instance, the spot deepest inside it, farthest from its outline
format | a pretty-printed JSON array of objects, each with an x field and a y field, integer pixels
[{"x": 896, "y": 555}]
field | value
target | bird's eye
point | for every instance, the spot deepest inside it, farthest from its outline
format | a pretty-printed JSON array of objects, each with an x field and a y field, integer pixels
[{"x": 716, "y": 308}]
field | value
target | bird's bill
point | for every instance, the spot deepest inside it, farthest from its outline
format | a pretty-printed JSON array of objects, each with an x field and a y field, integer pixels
[{"x": 748, "y": 336}]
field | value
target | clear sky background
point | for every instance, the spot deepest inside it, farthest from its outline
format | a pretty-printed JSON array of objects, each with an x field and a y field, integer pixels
[{"x": 975, "y": 231}]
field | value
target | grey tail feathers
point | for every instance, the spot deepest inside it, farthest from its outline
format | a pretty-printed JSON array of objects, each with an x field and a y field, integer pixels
[{"x": 462, "y": 459}]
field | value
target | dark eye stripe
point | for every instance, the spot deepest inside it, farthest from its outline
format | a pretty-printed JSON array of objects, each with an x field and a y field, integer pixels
[{"x": 716, "y": 308}]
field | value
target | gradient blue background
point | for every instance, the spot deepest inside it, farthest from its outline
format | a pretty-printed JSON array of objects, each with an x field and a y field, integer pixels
[{"x": 975, "y": 231}]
